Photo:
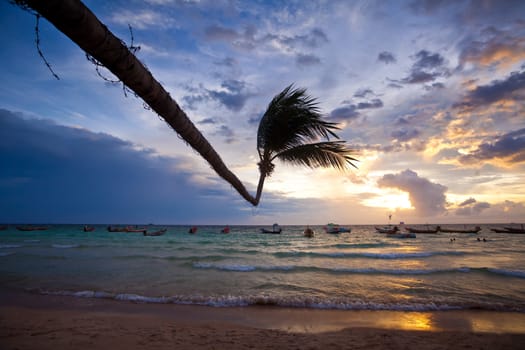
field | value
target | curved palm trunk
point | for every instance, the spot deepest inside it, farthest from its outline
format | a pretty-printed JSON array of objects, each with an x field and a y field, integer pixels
[{"x": 77, "y": 22}]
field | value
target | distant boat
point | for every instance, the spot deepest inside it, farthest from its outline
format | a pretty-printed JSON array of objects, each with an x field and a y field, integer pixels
[
  {"x": 226, "y": 229},
  {"x": 3, "y": 227},
  {"x": 134, "y": 229},
  {"x": 31, "y": 228},
  {"x": 156, "y": 233},
  {"x": 401, "y": 235},
  {"x": 193, "y": 230},
  {"x": 308, "y": 232},
  {"x": 420, "y": 230},
  {"x": 116, "y": 229},
  {"x": 387, "y": 229},
  {"x": 89, "y": 228},
  {"x": 509, "y": 229},
  {"x": 335, "y": 228},
  {"x": 459, "y": 230},
  {"x": 276, "y": 229}
]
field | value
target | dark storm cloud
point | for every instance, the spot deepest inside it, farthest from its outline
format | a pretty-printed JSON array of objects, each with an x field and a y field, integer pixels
[
  {"x": 307, "y": 60},
  {"x": 509, "y": 147},
  {"x": 386, "y": 57},
  {"x": 351, "y": 111},
  {"x": 426, "y": 197},
  {"x": 512, "y": 88},
  {"x": 61, "y": 174}
]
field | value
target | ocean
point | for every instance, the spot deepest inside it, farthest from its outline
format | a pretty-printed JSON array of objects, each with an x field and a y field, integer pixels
[{"x": 361, "y": 270}]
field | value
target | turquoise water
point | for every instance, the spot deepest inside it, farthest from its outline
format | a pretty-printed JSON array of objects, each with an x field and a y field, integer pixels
[{"x": 352, "y": 271}]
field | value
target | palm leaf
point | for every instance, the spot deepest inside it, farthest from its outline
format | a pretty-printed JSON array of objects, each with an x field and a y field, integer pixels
[
  {"x": 321, "y": 154},
  {"x": 292, "y": 118}
]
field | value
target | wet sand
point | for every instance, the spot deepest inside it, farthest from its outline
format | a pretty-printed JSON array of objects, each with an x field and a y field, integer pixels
[{"x": 33, "y": 321}]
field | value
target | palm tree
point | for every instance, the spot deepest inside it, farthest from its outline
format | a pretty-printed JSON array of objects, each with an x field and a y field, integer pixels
[
  {"x": 288, "y": 131},
  {"x": 282, "y": 131}
]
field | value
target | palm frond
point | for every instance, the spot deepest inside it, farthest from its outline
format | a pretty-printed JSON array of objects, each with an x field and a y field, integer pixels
[
  {"x": 321, "y": 154},
  {"x": 292, "y": 118}
]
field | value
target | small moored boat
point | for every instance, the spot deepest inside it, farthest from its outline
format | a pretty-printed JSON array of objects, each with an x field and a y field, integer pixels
[
  {"x": 156, "y": 233},
  {"x": 308, "y": 232},
  {"x": 89, "y": 228},
  {"x": 193, "y": 230},
  {"x": 226, "y": 229},
  {"x": 422, "y": 230},
  {"x": 387, "y": 229},
  {"x": 31, "y": 228},
  {"x": 276, "y": 229},
  {"x": 509, "y": 229},
  {"x": 459, "y": 230}
]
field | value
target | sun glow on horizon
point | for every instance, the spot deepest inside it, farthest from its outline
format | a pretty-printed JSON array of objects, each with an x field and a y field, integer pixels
[{"x": 392, "y": 200}]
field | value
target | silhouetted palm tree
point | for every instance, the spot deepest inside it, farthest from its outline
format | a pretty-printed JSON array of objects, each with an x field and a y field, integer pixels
[
  {"x": 289, "y": 131},
  {"x": 291, "y": 119}
]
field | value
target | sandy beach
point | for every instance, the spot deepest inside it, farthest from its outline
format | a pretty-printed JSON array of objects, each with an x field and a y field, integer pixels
[{"x": 33, "y": 321}]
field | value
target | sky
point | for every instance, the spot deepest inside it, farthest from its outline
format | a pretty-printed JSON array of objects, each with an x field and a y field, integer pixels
[{"x": 430, "y": 95}]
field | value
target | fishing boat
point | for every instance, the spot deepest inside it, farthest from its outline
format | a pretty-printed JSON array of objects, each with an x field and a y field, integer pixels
[
  {"x": 308, "y": 232},
  {"x": 387, "y": 229},
  {"x": 88, "y": 228},
  {"x": 509, "y": 229},
  {"x": 116, "y": 229},
  {"x": 335, "y": 228},
  {"x": 276, "y": 229},
  {"x": 132, "y": 229},
  {"x": 332, "y": 228},
  {"x": 459, "y": 230},
  {"x": 156, "y": 233},
  {"x": 31, "y": 228},
  {"x": 422, "y": 230}
]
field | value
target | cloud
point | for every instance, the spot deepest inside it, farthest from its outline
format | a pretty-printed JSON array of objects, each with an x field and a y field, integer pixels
[
  {"x": 386, "y": 57},
  {"x": 471, "y": 207},
  {"x": 426, "y": 197},
  {"x": 467, "y": 202},
  {"x": 509, "y": 147},
  {"x": 512, "y": 88},
  {"x": 493, "y": 47},
  {"x": 426, "y": 68},
  {"x": 307, "y": 60},
  {"x": 227, "y": 133},
  {"x": 405, "y": 135},
  {"x": 53, "y": 173},
  {"x": 250, "y": 39},
  {"x": 143, "y": 19},
  {"x": 233, "y": 95},
  {"x": 351, "y": 111}
]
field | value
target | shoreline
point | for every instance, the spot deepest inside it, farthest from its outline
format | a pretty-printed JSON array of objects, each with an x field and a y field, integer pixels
[{"x": 35, "y": 321}]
